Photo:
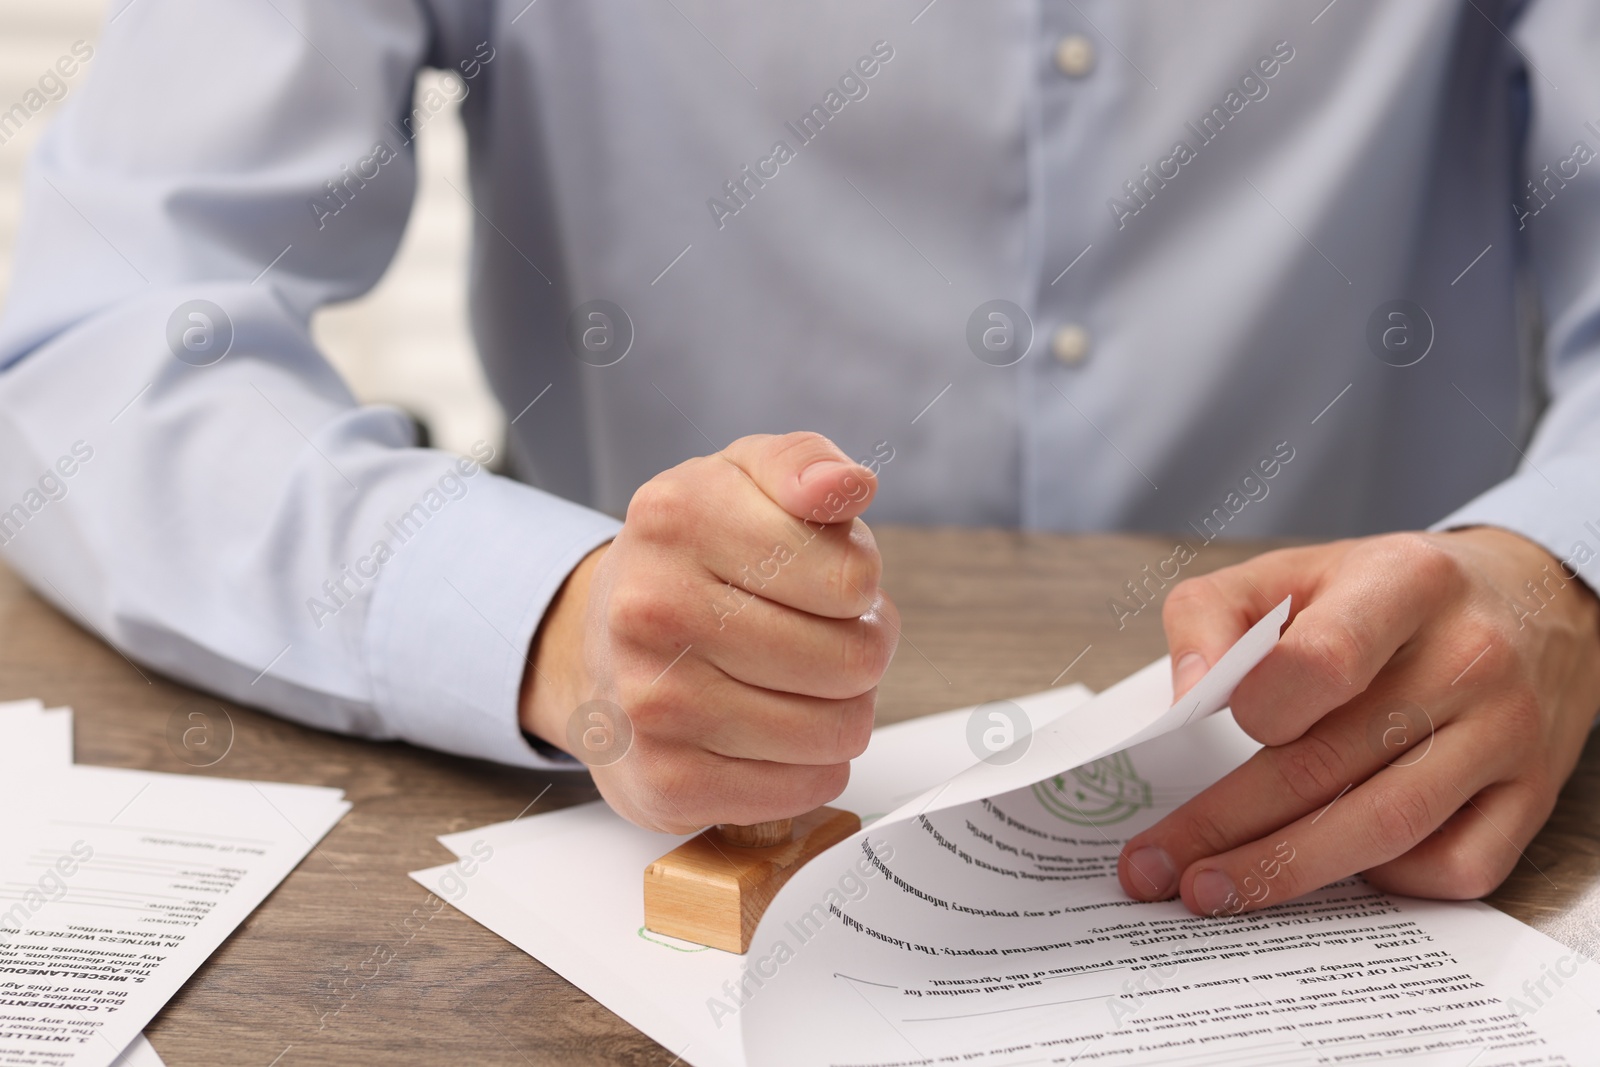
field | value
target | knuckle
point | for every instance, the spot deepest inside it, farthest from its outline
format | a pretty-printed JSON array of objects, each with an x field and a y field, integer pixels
[
  {"x": 1423, "y": 559},
  {"x": 750, "y": 442},
  {"x": 822, "y": 784},
  {"x": 868, "y": 647},
  {"x": 672, "y": 792},
  {"x": 1336, "y": 654},
  {"x": 857, "y": 656},
  {"x": 627, "y": 610},
  {"x": 1470, "y": 871},
  {"x": 1271, "y": 878},
  {"x": 860, "y": 569},
  {"x": 1267, "y": 726},
  {"x": 662, "y": 507},
  {"x": 801, "y": 448},
  {"x": 853, "y": 728},
  {"x": 787, "y": 791},
  {"x": 651, "y": 711},
  {"x": 1401, "y": 816},
  {"x": 1185, "y": 596},
  {"x": 1540, "y": 786},
  {"x": 634, "y": 610},
  {"x": 1312, "y": 769},
  {"x": 1485, "y": 649},
  {"x": 1201, "y": 833},
  {"x": 806, "y": 443},
  {"x": 888, "y": 616}
]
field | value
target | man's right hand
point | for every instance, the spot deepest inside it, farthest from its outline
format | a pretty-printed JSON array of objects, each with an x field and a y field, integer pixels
[{"x": 737, "y": 622}]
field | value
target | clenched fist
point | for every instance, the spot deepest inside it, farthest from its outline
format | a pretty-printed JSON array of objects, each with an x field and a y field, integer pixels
[{"x": 737, "y": 622}]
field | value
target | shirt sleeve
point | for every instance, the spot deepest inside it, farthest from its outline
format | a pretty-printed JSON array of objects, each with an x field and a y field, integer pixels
[
  {"x": 1554, "y": 496},
  {"x": 180, "y": 469}
]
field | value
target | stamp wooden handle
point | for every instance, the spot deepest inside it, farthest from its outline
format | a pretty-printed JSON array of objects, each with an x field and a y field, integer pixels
[
  {"x": 710, "y": 891},
  {"x": 757, "y": 835}
]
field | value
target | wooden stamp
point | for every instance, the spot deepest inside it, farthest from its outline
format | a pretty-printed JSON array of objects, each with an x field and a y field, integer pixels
[{"x": 713, "y": 888}]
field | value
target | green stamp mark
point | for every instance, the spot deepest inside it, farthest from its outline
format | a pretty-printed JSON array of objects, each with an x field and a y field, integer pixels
[
  {"x": 673, "y": 943},
  {"x": 1106, "y": 791}
]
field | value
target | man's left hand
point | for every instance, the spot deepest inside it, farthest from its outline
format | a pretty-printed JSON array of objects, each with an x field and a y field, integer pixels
[{"x": 1420, "y": 715}]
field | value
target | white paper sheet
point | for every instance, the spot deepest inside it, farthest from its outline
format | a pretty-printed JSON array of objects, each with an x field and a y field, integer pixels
[
  {"x": 139, "y": 1053},
  {"x": 1378, "y": 977},
  {"x": 39, "y": 740},
  {"x": 116, "y": 885},
  {"x": 34, "y": 738},
  {"x": 1138, "y": 707},
  {"x": 592, "y": 933},
  {"x": 996, "y": 932}
]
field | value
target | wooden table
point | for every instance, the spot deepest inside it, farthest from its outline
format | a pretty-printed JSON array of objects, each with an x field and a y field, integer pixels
[{"x": 987, "y": 615}]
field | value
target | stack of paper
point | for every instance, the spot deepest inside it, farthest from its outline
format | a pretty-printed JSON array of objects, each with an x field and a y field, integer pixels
[
  {"x": 116, "y": 885},
  {"x": 980, "y": 921}
]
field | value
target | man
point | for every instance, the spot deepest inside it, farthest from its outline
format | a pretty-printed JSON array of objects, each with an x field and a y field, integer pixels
[{"x": 1226, "y": 269}]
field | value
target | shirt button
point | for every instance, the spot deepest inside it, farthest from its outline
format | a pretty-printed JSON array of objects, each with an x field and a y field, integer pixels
[
  {"x": 1075, "y": 55},
  {"x": 1070, "y": 344}
]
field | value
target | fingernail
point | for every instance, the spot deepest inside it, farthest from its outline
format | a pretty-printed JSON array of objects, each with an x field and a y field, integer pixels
[
  {"x": 1214, "y": 893},
  {"x": 1154, "y": 876},
  {"x": 1191, "y": 667}
]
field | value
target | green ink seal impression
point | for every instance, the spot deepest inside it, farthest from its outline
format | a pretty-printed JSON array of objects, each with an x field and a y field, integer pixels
[{"x": 1101, "y": 793}]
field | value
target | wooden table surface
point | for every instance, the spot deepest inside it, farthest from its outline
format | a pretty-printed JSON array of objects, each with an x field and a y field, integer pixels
[{"x": 987, "y": 615}]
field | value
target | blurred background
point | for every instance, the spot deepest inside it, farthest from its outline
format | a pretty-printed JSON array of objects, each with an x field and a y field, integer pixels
[{"x": 406, "y": 342}]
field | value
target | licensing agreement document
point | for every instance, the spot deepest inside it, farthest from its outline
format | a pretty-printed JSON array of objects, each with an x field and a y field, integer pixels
[
  {"x": 980, "y": 922},
  {"x": 116, "y": 885}
]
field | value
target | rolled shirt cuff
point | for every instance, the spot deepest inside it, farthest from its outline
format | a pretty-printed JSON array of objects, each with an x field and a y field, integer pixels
[
  {"x": 452, "y": 622},
  {"x": 1555, "y": 505}
]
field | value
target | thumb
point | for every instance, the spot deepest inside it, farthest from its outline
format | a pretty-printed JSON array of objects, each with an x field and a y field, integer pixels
[{"x": 805, "y": 474}]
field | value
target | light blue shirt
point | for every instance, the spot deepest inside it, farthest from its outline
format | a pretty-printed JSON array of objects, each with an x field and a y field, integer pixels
[{"x": 698, "y": 220}]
